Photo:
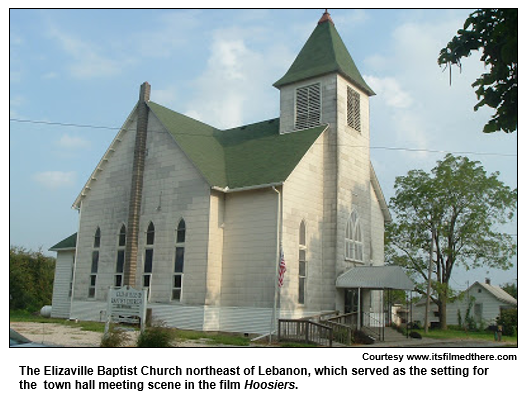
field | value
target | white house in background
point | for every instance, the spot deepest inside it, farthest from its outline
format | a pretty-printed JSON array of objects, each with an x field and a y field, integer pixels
[
  {"x": 483, "y": 301},
  {"x": 196, "y": 214}
]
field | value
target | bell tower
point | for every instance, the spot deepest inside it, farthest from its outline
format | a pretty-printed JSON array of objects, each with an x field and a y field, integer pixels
[
  {"x": 308, "y": 89},
  {"x": 323, "y": 86}
]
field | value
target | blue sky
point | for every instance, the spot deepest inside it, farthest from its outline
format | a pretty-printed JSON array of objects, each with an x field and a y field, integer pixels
[{"x": 84, "y": 67}]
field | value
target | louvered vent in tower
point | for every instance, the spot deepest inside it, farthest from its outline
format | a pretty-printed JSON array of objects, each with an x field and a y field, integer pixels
[
  {"x": 308, "y": 106},
  {"x": 353, "y": 109}
]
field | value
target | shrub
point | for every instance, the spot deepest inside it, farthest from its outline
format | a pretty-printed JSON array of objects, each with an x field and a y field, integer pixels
[
  {"x": 508, "y": 320},
  {"x": 115, "y": 338},
  {"x": 156, "y": 336},
  {"x": 30, "y": 279}
]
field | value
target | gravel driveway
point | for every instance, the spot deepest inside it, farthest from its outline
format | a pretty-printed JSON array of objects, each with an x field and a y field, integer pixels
[
  {"x": 63, "y": 335},
  {"x": 57, "y": 335}
]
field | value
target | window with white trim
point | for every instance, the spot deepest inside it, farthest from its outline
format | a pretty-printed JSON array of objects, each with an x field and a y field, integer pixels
[
  {"x": 120, "y": 258},
  {"x": 302, "y": 263},
  {"x": 177, "y": 280},
  {"x": 308, "y": 106},
  {"x": 354, "y": 238},
  {"x": 353, "y": 109}
]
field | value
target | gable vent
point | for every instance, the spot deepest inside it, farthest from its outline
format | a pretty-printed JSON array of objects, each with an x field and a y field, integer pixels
[{"x": 308, "y": 106}]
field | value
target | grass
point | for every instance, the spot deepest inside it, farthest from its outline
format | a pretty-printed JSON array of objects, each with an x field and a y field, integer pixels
[
  {"x": 452, "y": 333},
  {"x": 213, "y": 338}
]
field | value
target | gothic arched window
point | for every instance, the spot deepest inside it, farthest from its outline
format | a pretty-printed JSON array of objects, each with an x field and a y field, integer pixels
[
  {"x": 120, "y": 258},
  {"x": 149, "y": 256},
  {"x": 95, "y": 263},
  {"x": 354, "y": 238}
]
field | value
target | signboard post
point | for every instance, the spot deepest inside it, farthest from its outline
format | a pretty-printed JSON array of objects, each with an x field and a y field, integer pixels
[{"x": 127, "y": 305}]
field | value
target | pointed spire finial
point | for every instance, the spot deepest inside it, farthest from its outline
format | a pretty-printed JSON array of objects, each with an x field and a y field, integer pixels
[{"x": 326, "y": 17}]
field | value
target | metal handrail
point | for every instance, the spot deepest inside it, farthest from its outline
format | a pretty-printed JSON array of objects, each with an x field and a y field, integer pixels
[
  {"x": 381, "y": 332},
  {"x": 302, "y": 330}
]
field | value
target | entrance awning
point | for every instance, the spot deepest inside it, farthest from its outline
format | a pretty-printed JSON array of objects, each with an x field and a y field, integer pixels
[{"x": 384, "y": 277}]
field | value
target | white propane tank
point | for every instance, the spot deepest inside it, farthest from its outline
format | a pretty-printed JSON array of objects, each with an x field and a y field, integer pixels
[{"x": 45, "y": 311}]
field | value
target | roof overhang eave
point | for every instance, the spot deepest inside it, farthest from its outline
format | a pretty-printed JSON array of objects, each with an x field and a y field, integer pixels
[
  {"x": 228, "y": 190},
  {"x": 372, "y": 277}
]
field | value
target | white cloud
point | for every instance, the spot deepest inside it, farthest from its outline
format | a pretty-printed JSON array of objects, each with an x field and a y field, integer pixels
[
  {"x": 70, "y": 142},
  {"x": 415, "y": 106},
  {"x": 55, "y": 179},
  {"x": 236, "y": 85},
  {"x": 349, "y": 18},
  {"x": 165, "y": 96},
  {"x": 88, "y": 60},
  {"x": 391, "y": 91}
]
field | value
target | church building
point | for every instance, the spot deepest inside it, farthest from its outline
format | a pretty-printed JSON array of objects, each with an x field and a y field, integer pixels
[{"x": 200, "y": 216}]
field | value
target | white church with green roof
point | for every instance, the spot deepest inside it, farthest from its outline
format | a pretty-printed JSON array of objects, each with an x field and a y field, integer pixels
[{"x": 197, "y": 216}]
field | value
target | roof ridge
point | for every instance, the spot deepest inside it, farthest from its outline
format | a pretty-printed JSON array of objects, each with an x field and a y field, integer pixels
[{"x": 238, "y": 157}]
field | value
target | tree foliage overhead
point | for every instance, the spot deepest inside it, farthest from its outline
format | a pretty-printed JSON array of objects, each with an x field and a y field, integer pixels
[
  {"x": 465, "y": 206},
  {"x": 495, "y": 33},
  {"x": 30, "y": 279}
]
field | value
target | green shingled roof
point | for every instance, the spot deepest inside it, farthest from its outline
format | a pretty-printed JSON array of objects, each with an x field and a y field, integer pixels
[
  {"x": 245, "y": 156},
  {"x": 66, "y": 244},
  {"x": 324, "y": 53}
]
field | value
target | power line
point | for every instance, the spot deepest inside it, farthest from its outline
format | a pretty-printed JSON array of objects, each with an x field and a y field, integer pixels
[
  {"x": 51, "y": 123},
  {"x": 441, "y": 152},
  {"x": 384, "y": 148}
]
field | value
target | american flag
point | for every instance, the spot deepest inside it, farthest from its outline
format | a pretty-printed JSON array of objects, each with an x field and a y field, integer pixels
[{"x": 282, "y": 268}]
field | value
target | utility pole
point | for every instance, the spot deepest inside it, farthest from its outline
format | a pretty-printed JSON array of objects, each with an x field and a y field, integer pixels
[{"x": 433, "y": 235}]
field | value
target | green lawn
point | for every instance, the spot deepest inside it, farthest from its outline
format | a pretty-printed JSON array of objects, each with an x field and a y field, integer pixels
[
  {"x": 461, "y": 334},
  {"x": 213, "y": 338}
]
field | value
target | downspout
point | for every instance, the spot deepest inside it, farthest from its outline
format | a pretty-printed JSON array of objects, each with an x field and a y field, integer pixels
[
  {"x": 360, "y": 311},
  {"x": 278, "y": 250},
  {"x": 136, "y": 188}
]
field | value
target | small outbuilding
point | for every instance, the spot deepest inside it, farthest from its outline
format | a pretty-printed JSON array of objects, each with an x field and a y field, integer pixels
[{"x": 483, "y": 302}]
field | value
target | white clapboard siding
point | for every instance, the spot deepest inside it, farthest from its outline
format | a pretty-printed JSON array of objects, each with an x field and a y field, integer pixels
[
  {"x": 89, "y": 310},
  {"x": 61, "y": 302}
]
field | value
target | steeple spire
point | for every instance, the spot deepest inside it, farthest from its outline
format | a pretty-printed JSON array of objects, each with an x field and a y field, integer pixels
[
  {"x": 325, "y": 18},
  {"x": 323, "y": 53}
]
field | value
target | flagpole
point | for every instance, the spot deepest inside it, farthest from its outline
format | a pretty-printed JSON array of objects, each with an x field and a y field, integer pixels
[{"x": 276, "y": 276}]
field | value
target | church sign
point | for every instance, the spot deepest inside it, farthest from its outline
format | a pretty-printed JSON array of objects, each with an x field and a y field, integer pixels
[{"x": 127, "y": 305}]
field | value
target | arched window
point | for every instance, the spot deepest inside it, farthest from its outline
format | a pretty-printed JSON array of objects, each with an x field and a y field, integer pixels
[
  {"x": 180, "y": 236},
  {"x": 122, "y": 236},
  {"x": 302, "y": 262},
  {"x": 149, "y": 256},
  {"x": 150, "y": 234},
  {"x": 95, "y": 263},
  {"x": 179, "y": 259},
  {"x": 97, "y": 238},
  {"x": 120, "y": 258},
  {"x": 354, "y": 238}
]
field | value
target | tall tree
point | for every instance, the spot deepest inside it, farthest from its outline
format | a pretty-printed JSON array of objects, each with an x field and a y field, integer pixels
[
  {"x": 494, "y": 32},
  {"x": 465, "y": 206}
]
